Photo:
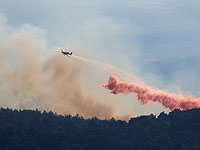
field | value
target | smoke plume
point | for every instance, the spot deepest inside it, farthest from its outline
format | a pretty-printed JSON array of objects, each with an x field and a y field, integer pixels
[
  {"x": 145, "y": 95},
  {"x": 32, "y": 77}
]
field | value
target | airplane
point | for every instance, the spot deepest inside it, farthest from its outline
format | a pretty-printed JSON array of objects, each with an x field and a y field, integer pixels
[{"x": 66, "y": 53}]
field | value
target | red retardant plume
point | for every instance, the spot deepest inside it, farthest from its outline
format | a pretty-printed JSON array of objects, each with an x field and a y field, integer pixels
[{"x": 145, "y": 95}]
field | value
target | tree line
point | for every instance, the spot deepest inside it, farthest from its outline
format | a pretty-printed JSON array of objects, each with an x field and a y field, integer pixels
[{"x": 35, "y": 130}]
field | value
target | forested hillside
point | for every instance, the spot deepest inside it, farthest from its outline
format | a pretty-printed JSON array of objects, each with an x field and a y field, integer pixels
[{"x": 33, "y": 130}]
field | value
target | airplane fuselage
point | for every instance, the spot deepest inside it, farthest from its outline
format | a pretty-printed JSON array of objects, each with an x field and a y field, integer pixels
[{"x": 66, "y": 53}]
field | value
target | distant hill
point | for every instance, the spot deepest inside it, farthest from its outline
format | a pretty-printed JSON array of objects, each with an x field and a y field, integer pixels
[{"x": 33, "y": 130}]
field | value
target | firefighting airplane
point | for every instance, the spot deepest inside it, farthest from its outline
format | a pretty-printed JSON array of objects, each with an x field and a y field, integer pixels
[{"x": 66, "y": 53}]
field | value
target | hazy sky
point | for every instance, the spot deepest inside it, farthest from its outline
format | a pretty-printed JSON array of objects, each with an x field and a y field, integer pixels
[{"x": 156, "y": 40}]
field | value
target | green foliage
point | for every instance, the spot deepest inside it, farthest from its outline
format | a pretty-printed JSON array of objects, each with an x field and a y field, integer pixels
[{"x": 33, "y": 130}]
